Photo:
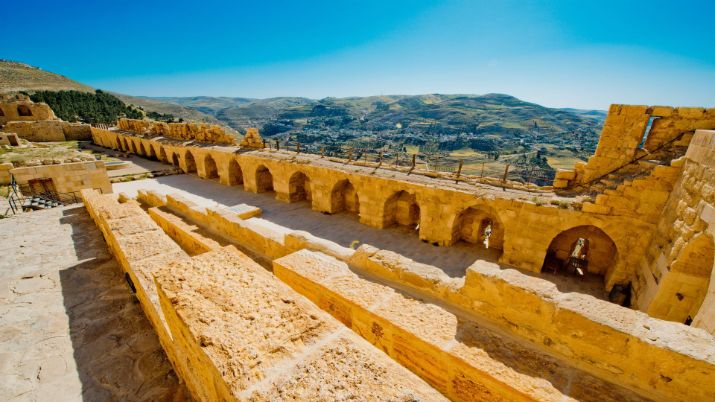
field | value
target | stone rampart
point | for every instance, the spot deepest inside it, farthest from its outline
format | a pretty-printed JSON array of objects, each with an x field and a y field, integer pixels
[{"x": 382, "y": 199}]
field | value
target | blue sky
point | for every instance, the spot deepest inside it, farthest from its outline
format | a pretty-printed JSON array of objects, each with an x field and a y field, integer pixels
[{"x": 556, "y": 53}]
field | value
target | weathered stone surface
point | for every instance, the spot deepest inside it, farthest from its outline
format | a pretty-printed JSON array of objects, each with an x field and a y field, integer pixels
[{"x": 247, "y": 336}]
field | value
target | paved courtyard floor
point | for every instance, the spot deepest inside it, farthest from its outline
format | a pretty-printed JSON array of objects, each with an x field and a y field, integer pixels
[
  {"x": 70, "y": 329},
  {"x": 342, "y": 228}
]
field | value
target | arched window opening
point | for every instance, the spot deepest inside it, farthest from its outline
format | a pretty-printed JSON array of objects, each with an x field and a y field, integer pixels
[
  {"x": 210, "y": 168},
  {"x": 235, "y": 174},
  {"x": 23, "y": 110},
  {"x": 299, "y": 187},
  {"x": 264, "y": 180},
  {"x": 581, "y": 251},
  {"x": 401, "y": 209},
  {"x": 343, "y": 197},
  {"x": 190, "y": 163}
]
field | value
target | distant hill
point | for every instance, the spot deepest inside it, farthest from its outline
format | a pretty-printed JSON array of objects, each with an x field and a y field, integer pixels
[
  {"x": 447, "y": 113},
  {"x": 16, "y": 77},
  {"x": 434, "y": 121}
]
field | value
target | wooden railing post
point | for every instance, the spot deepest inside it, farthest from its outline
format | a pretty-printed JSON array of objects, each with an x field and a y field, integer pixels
[{"x": 459, "y": 171}]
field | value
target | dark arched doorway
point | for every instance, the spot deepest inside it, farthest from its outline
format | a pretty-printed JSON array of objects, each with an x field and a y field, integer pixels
[
  {"x": 343, "y": 197},
  {"x": 299, "y": 187},
  {"x": 402, "y": 209},
  {"x": 264, "y": 180}
]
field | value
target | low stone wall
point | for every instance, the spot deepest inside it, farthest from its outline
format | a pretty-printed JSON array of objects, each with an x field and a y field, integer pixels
[
  {"x": 67, "y": 177},
  {"x": 464, "y": 359},
  {"x": 234, "y": 332},
  {"x": 50, "y": 130},
  {"x": 598, "y": 337}
]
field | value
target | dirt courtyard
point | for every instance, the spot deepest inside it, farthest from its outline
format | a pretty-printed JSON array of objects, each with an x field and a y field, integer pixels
[{"x": 70, "y": 329}]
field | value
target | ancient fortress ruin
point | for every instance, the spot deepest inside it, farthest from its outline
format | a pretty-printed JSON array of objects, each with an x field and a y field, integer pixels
[{"x": 249, "y": 309}]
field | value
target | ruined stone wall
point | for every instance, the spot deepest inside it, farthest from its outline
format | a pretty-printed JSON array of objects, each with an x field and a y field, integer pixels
[
  {"x": 624, "y": 131},
  {"x": 676, "y": 274},
  {"x": 67, "y": 177},
  {"x": 50, "y": 130},
  {"x": 21, "y": 108},
  {"x": 210, "y": 133}
]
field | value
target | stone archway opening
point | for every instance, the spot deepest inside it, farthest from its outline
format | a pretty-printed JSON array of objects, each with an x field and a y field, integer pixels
[
  {"x": 24, "y": 111},
  {"x": 162, "y": 155},
  {"x": 344, "y": 197},
  {"x": 151, "y": 153},
  {"x": 479, "y": 225},
  {"x": 299, "y": 187},
  {"x": 581, "y": 251},
  {"x": 132, "y": 147},
  {"x": 1, "y": 112},
  {"x": 190, "y": 162},
  {"x": 210, "y": 168},
  {"x": 264, "y": 180},
  {"x": 235, "y": 174},
  {"x": 142, "y": 150},
  {"x": 175, "y": 159},
  {"x": 401, "y": 209}
]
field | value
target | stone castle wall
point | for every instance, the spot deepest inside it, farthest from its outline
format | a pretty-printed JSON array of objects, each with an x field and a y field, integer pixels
[
  {"x": 625, "y": 130},
  {"x": 676, "y": 277},
  {"x": 210, "y": 133}
]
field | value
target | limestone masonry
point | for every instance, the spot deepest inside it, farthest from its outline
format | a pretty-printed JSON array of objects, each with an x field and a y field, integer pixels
[{"x": 597, "y": 288}]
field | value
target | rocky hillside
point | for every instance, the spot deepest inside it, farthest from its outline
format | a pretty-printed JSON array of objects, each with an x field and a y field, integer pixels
[{"x": 16, "y": 77}]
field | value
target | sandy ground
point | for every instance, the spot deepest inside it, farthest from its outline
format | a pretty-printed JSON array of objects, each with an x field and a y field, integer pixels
[
  {"x": 70, "y": 329},
  {"x": 342, "y": 228}
]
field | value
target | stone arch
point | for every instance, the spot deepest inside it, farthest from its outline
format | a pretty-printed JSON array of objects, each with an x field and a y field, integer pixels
[
  {"x": 1, "y": 112},
  {"x": 235, "y": 173},
  {"x": 151, "y": 154},
  {"x": 210, "y": 168},
  {"x": 344, "y": 197},
  {"x": 142, "y": 150},
  {"x": 132, "y": 146},
  {"x": 582, "y": 244},
  {"x": 264, "y": 180},
  {"x": 299, "y": 187},
  {"x": 189, "y": 162},
  {"x": 175, "y": 160},
  {"x": 401, "y": 209},
  {"x": 162, "y": 155},
  {"x": 24, "y": 110},
  {"x": 479, "y": 224}
]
